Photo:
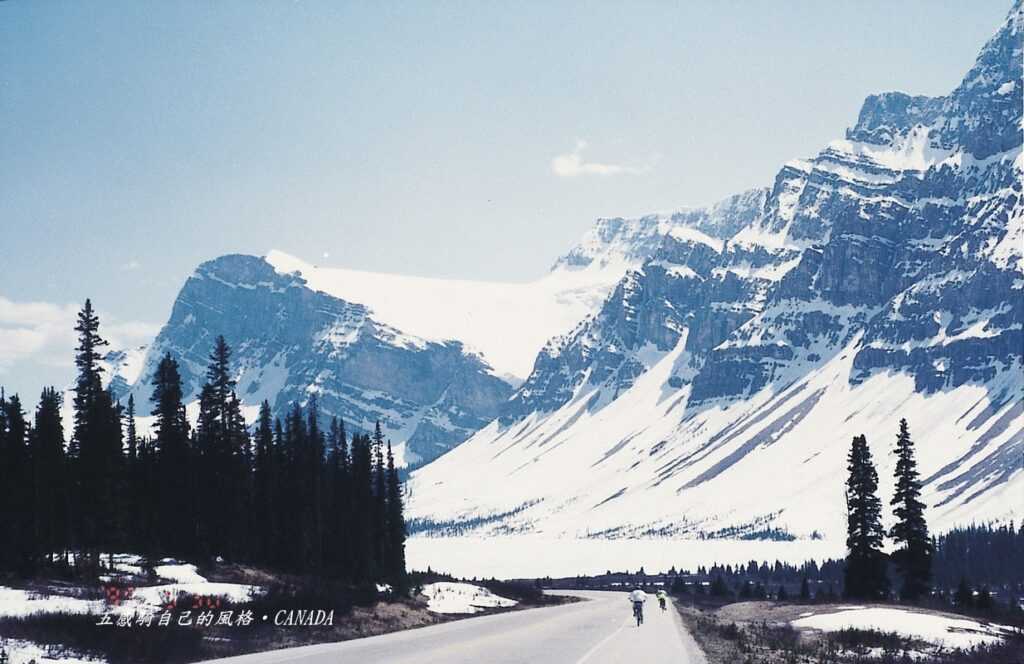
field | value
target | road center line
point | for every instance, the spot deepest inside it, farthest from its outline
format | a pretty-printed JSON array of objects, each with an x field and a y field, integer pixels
[{"x": 603, "y": 641}]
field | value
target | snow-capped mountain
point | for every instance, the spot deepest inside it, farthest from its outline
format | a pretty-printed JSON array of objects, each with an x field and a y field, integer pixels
[
  {"x": 716, "y": 391},
  {"x": 290, "y": 341},
  {"x": 432, "y": 359}
]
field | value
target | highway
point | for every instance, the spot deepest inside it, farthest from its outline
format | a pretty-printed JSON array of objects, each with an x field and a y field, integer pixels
[{"x": 598, "y": 630}]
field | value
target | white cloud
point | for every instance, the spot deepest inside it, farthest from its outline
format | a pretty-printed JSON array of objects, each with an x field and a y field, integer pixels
[
  {"x": 572, "y": 165},
  {"x": 133, "y": 264},
  {"x": 43, "y": 333}
]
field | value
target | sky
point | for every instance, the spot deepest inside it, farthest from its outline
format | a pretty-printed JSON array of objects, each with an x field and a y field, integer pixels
[{"x": 449, "y": 139}]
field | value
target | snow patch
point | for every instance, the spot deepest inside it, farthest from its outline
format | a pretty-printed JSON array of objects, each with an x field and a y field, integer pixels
[
  {"x": 934, "y": 628},
  {"x": 447, "y": 597}
]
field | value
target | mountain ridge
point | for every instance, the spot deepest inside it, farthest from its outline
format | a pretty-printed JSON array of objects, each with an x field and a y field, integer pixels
[{"x": 884, "y": 273}]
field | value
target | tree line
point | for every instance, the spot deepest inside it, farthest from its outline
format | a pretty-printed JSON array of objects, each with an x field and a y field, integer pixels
[{"x": 296, "y": 495}]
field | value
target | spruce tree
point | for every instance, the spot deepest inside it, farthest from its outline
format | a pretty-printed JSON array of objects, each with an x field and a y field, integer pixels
[
  {"x": 913, "y": 555},
  {"x": 134, "y": 474},
  {"x": 210, "y": 461},
  {"x": 964, "y": 597},
  {"x": 18, "y": 552},
  {"x": 396, "y": 528},
  {"x": 175, "y": 508},
  {"x": 313, "y": 472},
  {"x": 279, "y": 489},
  {"x": 88, "y": 450},
  {"x": 865, "y": 576},
  {"x": 264, "y": 516},
  {"x": 339, "y": 554},
  {"x": 224, "y": 453},
  {"x": 381, "y": 554},
  {"x": 7, "y": 475},
  {"x": 49, "y": 476},
  {"x": 363, "y": 531}
]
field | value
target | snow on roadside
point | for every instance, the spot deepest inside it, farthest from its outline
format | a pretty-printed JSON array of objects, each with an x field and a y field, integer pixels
[
  {"x": 934, "y": 628},
  {"x": 23, "y": 652},
  {"x": 184, "y": 578},
  {"x": 179, "y": 572},
  {"x": 15, "y": 602},
  {"x": 154, "y": 597},
  {"x": 447, "y": 597}
]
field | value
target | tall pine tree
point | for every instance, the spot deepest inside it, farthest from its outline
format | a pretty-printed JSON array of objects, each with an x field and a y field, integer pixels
[
  {"x": 18, "y": 551},
  {"x": 913, "y": 555},
  {"x": 381, "y": 554},
  {"x": 264, "y": 484},
  {"x": 175, "y": 510},
  {"x": 94, "y": 456},
  {"x": 363, "y": 531},
  {"x": 339, "y": 513},
  {"x": 396, "y": 528},
  {"x": 865, "y": 562},
  {"x": 50, "y": 476}
]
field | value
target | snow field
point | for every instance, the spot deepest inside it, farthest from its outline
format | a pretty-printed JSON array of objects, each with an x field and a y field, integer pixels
[{"x": 940, "y": 630}]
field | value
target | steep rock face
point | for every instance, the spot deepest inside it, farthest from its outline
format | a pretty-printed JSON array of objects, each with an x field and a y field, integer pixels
[
  {"x": 630, "y": 242},
  {"x": 290, "y": 341},
  {"x": 884, "y": 276}
]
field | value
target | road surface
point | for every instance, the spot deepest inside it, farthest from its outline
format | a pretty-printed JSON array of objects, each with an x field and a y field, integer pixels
[{"x": 600, "y": 630}]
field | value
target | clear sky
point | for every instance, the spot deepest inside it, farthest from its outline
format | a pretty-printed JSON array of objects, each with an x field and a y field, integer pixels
[{"x": 476, "y": 140}]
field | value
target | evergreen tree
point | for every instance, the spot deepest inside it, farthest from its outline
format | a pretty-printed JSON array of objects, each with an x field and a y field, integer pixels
[
  {"x": 964, "y": 597},
  {"x": 379, "y": 509},
  {"x": 264, "y": 482},
  {"x": 805, "y": 590},
  {"x": 16, "y": 495},
  {"x": 396, "y": 528},
  {"x": 218, "y": 377},
  {"x": 7, "y": 478},
  {"x": 279, "y": 489},
  {"x": 175, "y": 508},
  {"x": 313, "y": 470},
  {"x": 865, "y": 576},
  {"x": 339, "y": 553},
  {"x": 94, "y": 458},
  {"x": 49, "y": 476},
  {"x": 135, "y": 503},
  {"x": 294, "y": 490},
  {"x": 913, "y": 555},
  {"x": 224, "y": 450},
  {"x": 362, "y": 534}
]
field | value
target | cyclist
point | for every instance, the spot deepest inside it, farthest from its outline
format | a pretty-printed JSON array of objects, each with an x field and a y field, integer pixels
[
  {"x": 662, "y": 598},
  {"x": 638, "y": 597}
]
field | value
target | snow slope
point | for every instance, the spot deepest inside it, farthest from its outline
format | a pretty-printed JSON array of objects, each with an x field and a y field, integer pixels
[{"x": 480, "y": 314}]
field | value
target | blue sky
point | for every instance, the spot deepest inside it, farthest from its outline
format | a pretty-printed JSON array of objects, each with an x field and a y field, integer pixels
[{"x": 472, "y": 140}]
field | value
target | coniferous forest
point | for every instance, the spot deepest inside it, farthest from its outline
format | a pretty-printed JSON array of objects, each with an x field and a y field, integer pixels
[
  {"x": 305, "y": 496},
  {"x": 299, "y": 495}
]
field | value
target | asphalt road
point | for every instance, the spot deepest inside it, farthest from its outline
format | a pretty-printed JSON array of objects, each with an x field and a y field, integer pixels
[{"x": 600, "y": 630}]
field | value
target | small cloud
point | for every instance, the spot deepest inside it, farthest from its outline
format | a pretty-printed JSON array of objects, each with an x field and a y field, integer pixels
[
  {"x": 572, "y": 165},
  {"x": 133, "y": 264}
]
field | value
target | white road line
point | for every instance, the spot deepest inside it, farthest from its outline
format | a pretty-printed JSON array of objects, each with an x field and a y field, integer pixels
[{"x": 603, "y": 641}]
